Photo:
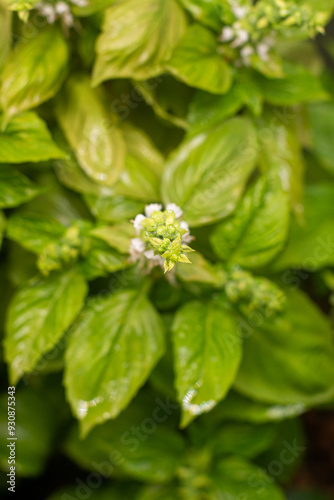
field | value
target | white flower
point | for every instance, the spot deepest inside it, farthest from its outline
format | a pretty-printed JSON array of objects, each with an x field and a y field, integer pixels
[
  {"x": 241, "y": 38},
  {"x": 47, "y": 11},
  {"x": 227, "y": 34},
  {"x": 62, "y": 8},
  {"x": 262, "y": 50},
  {"x": 153, "y": 207},
  {"x": 246, "y": 51},
  {"x": 137, "y": 247},
  {"x": 177, "y": 210},
  {"x": 137, "y": 222},
  {"x": 186, "y": 237},
  {"x": 239, "y": 11}
]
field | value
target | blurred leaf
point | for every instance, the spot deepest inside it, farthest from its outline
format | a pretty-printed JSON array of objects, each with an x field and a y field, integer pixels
[
  {"x": 137, "y": 39},
  {"x": 43, "y": 65},
  {"x": 27, "y": 139},
  {"x": 102, "y": 260},
  {"x": 2, "y": 226},
  {"x": 207, "y": 354},
  {"x": 117, "y": 236},
  {"x": 91, "y": 7},
  {"x": 321, "y": 118},
  {"x": 196, "y": 62},
  {"x": 201, "y": 271},
  {"x": 310, "y": 245},
  {"x": 289, "y": 359},
  {"x": 258, "y": 229},
  {"x": 208, "y": 12},
  {"x": 234, "y": 477},
  {"x": 38, "y": 316},
  {"x": 207, "y": 174},
  {"x": 5, "y": 34},
  {"x": 111, "y": 352},
  {"x": 33, "y": 231},
  {"x": 15, "y": 188},
  {"x": 91, "y": 131},
  {"x": 114, "y": 208}
]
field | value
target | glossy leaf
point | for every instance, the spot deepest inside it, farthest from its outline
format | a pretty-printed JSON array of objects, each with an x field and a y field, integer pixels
[
  {"x": 197, "y": 62},
  {"x": 207, "y": 174},
  {"x": 114, "y": 208},
  {"x": 289, "y": 359},
  {"x": 311, "y": 244},
  {"x": 207, "y": 353},
  {"x": 27, "y": 139},
  {"x": 125, "y": 338},
  {"x": 33, "y": 231},
  {"x": 207, "y": 12},
  {"x": 201, "y": 271},
  {"x": 15, "y": 188},
  {"x": 43, "y": 65},
  {"x": 117, "y": 236},
  {"x": 102, "y": 260},
  {"x": 91, "y": 131},
  {"x": 258, "y": 229},
  {"x": 234, "y": 477},
  {"x": 123, "y": 51},
  {"x": 38, "y": 316}
]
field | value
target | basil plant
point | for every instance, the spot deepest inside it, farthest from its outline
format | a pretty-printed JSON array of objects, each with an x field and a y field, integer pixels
[{"x": 167, "y": 227}]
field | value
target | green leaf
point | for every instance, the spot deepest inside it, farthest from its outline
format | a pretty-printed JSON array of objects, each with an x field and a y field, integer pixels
[
  {"x": 321, "y": 117},
  {"x": 282, "y": 153},
  {"x": 91, "y": 131},
  {"x": 5, "y": 34},
  {"x": 207, "y": 353},
  {"x": 197, "y": 62},
  {"x": 2, "y": 226},
  {"x": 33, "y": 231},
  {"x": 207, "y": 174},
  {"x": 35, "y": 427},
  {"x": 43, "y": 65},
  {"x": 27, "y": 139},
  {"x": 166, "y": 492},
  {"x": 258, "y": 229},
  {"x": 116, "y": 447},
  {"x": 310, "y": 245},
  {"x": 114, "y": 208},
  {"x": 38, "y": 316},
  {"x": 112, "y": 350},
  {"x": 201, "y": 271},
  {"x": 297, "y": 86},
  {"x": 102, "y": 260},
  {"x": 117, "y": 236},
  {"x": 91, "y": 7},
  {"x": 137, "y": 39},
  {"x": 289, "y": 359},
  {"x": 15, "y": 188},
  {"x": 207, "y": 12},
  {"x": 234, "y": 477},
  {"x": 140, "y": 178}
]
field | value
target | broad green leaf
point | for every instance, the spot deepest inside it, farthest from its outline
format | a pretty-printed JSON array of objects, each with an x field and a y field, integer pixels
[
  {"x": 35, "y": 426},
  {"x": 146, "y": 456},
  {"x": 289, "y": 359},
  {"x": 282, "y": 153},
  {"x": 321, "y": 117},
  {"x": 102, "y": 260},
  {"x": 235, "y": 477},
  {"x": 15, "y": 188},
  {"x": 168, "y": 98},
  {"x": 137, "y": 38},
  {"x": 166, "y": 492},
  {"x": 140, "y": 178},
  {"x": 117, "y": 236},
  {"x": 196, "y": 62},
  {"x": 43, "y": 65},
  {"x": 258, "y": 229},
  {"x": 19, "y": 5},
  {"x": 207, "y": 354},
  {"x": 91, "y": 7},
  {"x": 5, "y": 34},
  {"x": 114, "y": 208},
  {"x": 91, "y": 131},
  {"x": 297, "y": 86},
  {"x": 201, "y": 271},
  {"x": 33, "y": 231},
  {"x": 27, "y": 139},
  {"x": 207, "y": 12},
  {"x": 111, "y": 352},
  {"x": 207, "y": 174},
  {"x": 311, "y": 244},
  {"x": 38, "y": 316}
]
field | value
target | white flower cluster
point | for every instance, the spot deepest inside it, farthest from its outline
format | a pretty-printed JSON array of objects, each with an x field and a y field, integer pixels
[
  {"x": 138, "y": 247},
  {"x": 59, "y": 10},
  {"x": 240, "y": 38}
]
